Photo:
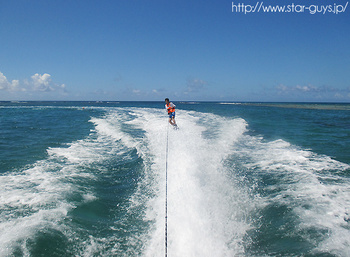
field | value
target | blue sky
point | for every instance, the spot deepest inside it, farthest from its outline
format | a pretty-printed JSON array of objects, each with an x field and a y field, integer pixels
[{"x": 184, "y": 50}]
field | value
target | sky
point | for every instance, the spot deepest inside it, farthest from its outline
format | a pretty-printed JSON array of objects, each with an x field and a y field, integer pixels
[{"x": 186, "y": 50}]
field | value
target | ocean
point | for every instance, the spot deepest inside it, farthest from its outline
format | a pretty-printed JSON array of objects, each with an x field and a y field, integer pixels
[{"x": 243, "y": 179}]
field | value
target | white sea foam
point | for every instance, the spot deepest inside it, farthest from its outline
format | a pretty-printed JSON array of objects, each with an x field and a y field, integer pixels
[
  {"x": 206, "y": 208},
  {"x": 30, "y": 202},
  {"x": 309, "y": 184},
  {"x": 231, "y": 103},
  {"x": 38, "y": 197}
]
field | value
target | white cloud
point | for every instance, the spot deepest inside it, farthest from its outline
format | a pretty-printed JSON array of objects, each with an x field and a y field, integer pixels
[
  {"x": 281, "y": 88},
  {"x": 3, "y": 82},
  {"x": 38, "y": 83},
  {"x": 288, "y": 89},
  {"x": 311, "y": 92},
  {"x": 195, "y": 85},
  {"x": 9, "y": 86},
  {"x": 306, "y": 88},
  {"x": 42, "y": 82}
]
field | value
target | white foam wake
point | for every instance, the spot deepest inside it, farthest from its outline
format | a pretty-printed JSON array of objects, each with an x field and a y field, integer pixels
[
  {"x": 206, "y": 207},
  {"x": 308, "y": 183},
  {"x": 40, "y": 197}
]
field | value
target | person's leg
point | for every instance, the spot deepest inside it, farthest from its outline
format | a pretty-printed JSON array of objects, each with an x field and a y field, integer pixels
[{"x": 171, "y": 119}]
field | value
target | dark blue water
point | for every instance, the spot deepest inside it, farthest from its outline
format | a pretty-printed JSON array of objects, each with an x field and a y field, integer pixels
[{"x": 244, "y": 179}]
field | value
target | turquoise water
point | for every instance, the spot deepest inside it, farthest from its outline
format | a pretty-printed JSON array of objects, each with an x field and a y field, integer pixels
[{"x": 244, "y": 179}]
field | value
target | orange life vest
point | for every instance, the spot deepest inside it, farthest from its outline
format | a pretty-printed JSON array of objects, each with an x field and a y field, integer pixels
[{"x": 170, "y": 108}]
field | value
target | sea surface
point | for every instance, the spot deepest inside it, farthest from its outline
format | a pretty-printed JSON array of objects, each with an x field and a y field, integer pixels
[{"x": 243, "y": 179}]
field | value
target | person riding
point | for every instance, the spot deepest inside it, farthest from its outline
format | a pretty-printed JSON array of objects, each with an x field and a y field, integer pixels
[{"x": 171, "y": 111}]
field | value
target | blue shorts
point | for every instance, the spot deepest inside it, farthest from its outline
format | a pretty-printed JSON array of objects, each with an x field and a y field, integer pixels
[{"x": 171, "y": 115}]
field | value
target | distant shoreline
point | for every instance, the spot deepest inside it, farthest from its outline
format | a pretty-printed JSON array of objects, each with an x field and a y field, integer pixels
[{"x": 291, "y": 105}]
